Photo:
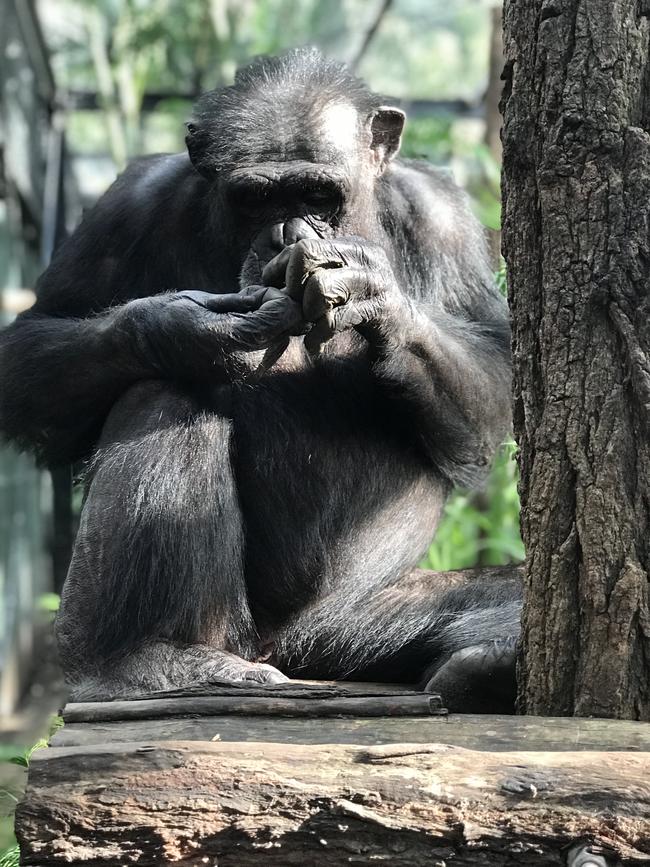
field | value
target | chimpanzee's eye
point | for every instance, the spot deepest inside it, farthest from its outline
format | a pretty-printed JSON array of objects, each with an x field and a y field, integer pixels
[
  {"x": 249, "y": 199},
  {"x": 323, "y": 198}
]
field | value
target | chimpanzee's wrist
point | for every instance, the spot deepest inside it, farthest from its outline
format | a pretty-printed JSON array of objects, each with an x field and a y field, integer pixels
[{"x": 128, "y": 335}]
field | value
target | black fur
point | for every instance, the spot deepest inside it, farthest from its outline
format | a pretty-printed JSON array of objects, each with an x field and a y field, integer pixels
[{"x": 235, "y": 516}]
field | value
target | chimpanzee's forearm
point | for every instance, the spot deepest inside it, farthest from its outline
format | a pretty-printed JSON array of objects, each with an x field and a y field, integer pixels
[
  {"x": 60, "y": 377},
  {"x": 452, "y": 376}
]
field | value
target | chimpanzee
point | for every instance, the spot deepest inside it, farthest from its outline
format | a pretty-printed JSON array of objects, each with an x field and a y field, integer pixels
[{"x": 277, "y": 354}]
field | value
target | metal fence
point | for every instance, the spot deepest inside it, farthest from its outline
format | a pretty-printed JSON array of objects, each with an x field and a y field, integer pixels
[
  {"x": 25, "y": 571},
  {"x": 26, "y": 141}
]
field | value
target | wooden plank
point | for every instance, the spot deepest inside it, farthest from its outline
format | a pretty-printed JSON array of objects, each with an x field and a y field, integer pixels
[
  {"x": 486, "y": 732},
  {"x": 293, "y": 689},
  {"x": 402, "y": 704},
  {"x": 285, "y": 804}
]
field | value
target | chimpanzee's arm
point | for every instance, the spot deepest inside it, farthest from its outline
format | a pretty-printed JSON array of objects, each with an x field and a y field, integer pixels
[
  {"x": 61, "y": 375},
  {"x": 441, "y": 345},
  {"x": 99, "y": 325},
  {"x": 450, "y": 378},
  {"x": 425, "y": 299}
]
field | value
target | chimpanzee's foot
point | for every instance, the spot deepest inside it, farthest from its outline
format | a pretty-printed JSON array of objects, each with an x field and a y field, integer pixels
[
  {"x": 222, "y": 667},
  {"x": 161, "y": 666},
  {"x": 477, "y": 679}
]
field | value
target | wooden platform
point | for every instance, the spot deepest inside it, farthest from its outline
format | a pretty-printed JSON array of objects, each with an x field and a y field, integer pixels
[{"x": 331, "y": 775}]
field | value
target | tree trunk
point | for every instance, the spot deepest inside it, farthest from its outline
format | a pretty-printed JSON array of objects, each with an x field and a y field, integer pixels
[{"x": 577, "y": 243}]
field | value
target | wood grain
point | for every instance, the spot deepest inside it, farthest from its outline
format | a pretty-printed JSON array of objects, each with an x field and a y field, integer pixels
[
  {"x": 488, "y": 732},
  {"x": 276, "y": 704}
]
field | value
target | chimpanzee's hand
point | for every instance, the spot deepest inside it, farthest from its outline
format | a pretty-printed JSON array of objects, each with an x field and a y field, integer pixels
[
  {"x": 190, "y": 333},
  {"x": 342, "y": 283}
]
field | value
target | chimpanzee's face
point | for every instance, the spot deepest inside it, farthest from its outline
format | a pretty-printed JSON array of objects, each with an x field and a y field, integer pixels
[
  {"x": 303, "y": 171},
  {"x": 276, "y": 203},
  {"x": 313, "y": 180}
]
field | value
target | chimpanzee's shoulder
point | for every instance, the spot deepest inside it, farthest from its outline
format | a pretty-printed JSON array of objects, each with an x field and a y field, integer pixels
[
  {"x": 148, "y": 180},
  {"x": 416, "y": 181},
  {"x": 129, "y": 240}
]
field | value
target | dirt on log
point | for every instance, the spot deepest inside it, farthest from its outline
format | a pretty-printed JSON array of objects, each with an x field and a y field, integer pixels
[{"x": 576, "y": 235}]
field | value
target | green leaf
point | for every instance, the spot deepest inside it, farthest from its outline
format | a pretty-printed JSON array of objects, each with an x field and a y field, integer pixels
[
  {"x": 10, "y": 857},
  {"x": 49, "y": 602}
]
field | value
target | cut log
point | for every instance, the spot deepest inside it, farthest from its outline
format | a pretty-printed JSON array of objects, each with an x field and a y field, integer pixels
[{"x": 281, "y": 804}]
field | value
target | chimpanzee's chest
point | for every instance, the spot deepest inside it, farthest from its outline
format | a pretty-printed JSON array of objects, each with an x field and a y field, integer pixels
[{"x": 331, "y": 483}]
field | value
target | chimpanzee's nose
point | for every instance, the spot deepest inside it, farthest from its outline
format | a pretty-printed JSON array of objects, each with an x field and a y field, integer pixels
[
  {"x": 296, "y": 229},
  {"x": 276, "y": 237}
]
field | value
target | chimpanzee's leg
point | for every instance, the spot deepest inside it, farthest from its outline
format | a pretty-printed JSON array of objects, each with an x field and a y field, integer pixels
[
  {"x": 155, "y": 596},
  {"x": 453, "y": 632}
]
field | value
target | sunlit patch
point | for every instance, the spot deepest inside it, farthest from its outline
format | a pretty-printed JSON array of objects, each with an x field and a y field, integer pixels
[
  {"x": 444, "y": 215},
  {"x": 339, "y": 125}
]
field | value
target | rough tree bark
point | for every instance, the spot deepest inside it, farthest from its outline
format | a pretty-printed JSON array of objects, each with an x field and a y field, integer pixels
[{"x": 577, "y": 243}]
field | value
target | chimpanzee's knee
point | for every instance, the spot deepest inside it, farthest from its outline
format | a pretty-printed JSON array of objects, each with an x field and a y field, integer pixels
[{"x": 145, "y": 407}]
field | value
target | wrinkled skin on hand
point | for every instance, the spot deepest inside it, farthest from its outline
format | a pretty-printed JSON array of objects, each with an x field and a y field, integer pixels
[
  {"x": 221, "y": 329},
  {"x": 341, "y": 283}
]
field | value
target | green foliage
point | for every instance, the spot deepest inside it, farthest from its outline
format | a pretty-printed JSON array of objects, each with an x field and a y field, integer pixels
[
  {"x": 7, "y": 752},
  {"x": 429, "y": 138},
  {"x": 13, "y": 755},
  {"x": 481, "y": 528},
  {"x": 10, "y": 857},
  {"x": 501, "y": 278},
  {"x": 56, "y": 723},
  {"x": 430, "y": 49},
  {"x": 23, "y": 759},
  {"x": 49, "y": 602}
]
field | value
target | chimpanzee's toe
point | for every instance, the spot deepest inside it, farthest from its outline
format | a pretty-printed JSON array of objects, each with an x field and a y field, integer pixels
[{"x": 264, "y": 674}]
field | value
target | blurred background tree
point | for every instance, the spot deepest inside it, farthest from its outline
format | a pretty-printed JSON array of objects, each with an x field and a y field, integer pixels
[{"x": 86, "y": 85}]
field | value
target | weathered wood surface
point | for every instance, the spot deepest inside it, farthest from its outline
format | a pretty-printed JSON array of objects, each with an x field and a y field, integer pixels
[
  {"x": 492, "y": 733},
  {"x": 267, "y": 705},
  {"x": 212, "y": 783},
  {"x": 282, "y": 804},
  {"x": 293, "y": 688}
]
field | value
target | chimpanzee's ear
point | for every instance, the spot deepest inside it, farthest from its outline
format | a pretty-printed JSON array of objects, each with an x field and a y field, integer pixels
[
  {"x": 195, "y": 146},
  {"x": 189, "y": 136},
  {"x": 386, "y": 125}
]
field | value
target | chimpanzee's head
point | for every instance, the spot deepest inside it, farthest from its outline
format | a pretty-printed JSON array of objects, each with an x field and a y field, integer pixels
[{"x": 294, "y": 149}]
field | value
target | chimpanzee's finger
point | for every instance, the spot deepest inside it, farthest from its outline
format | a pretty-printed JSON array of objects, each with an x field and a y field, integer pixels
[
  {"x": 272, "y": 354},
  {"x": 328, "y": 288},
  {"x": 307, "y": 257},
  {"x": 274, "y": 271},
  {"x": 322, "y": 331},
  {"x": 279, "y": 317},
  {"x": 252, "y": 298},
  {"x": 232, "y": 302},
  {"x": 332, "y": 322}
]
